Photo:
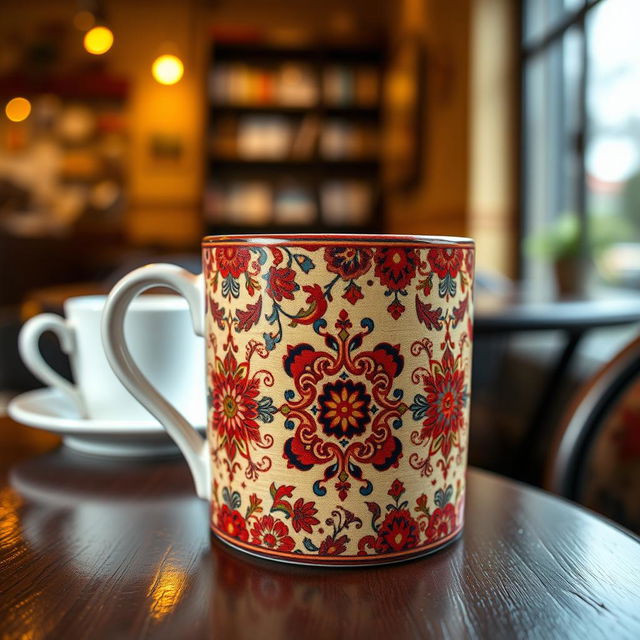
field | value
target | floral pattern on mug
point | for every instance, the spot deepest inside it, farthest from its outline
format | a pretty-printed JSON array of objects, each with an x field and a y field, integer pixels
[
  {"x": 237, "y": 411},
  {"x": 337, "y": 424},
  {"x": 339, "y": 395}
]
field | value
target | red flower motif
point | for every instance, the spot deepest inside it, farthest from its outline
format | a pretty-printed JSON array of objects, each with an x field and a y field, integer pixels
[
  {"x": 468, "y": 262},
  {"x": 353, "y": 293},
  {"x": 396, "y": 266},
  {"x": 232, "y": 260},
  {"x": 421, "y": 504},
  {"x": 235, "y": 407},
  {"x": 446, "y": 399},
  {"x": 396, "y": 309},
  {"x": 441, "y": 523},
  {"x": 445, "y": 261},
  {"x": 344, "y": 408},
  {"x": 398, "y": 532},
  {"x": 281, "y": 283},
  {"x": 397, "y": 489},
  {"x": 303, "y": 513},
  {"x": 232, "y": 523},
  {"x": 271, "y": 533},
  {"x": 331, "y": 546},
  {"x": 348, "y": 262}
]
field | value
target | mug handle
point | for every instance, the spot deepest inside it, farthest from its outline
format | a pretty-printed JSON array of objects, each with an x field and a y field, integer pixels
[
  {"x": 29, "y": 348},
  {"x": 191, "y": 287}
]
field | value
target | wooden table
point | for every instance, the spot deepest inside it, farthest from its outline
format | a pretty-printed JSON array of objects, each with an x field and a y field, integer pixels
[
  {"x": 92, "y": 548},
  {"x": 505, "y": 315}
]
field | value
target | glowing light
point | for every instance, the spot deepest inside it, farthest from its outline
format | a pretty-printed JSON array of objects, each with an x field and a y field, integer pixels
[
  {"x": 166, "y": 589},
  {"x": 10, "y": 525},
  {"x": 18, "y": 109},
  {"x": 167, "y": 69},
  {"x": 84, "y": 20},
  {"x": 98, "y": 40}
]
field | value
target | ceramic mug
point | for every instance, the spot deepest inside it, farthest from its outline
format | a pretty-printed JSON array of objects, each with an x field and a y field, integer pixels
[
  {"x": 159, "y": 329},
  {"x": 338, "y": 373}
]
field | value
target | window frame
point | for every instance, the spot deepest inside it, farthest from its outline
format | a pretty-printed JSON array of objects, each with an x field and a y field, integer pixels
[{"x": 529, "y": 51}]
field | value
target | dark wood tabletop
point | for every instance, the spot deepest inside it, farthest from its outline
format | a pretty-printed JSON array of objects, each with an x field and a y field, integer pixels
[
  {"x": 96, "y": 548},
  {"x": 521, "y": 312}
]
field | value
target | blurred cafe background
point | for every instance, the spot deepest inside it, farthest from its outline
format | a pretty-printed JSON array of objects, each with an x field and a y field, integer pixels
[{"x": 128, "y": 130}]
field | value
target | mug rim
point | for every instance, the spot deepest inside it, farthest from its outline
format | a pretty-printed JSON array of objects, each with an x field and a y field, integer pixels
[
  {"x": 325, "y": 239},
  {"x": 152, "y": 302}
]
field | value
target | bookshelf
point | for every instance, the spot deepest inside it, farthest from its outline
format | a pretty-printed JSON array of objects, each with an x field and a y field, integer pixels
[{"x": 293, "y": 138}]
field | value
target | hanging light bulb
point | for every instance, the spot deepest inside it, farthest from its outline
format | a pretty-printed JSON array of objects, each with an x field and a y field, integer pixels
[
  {"x": 98, "y": 40},
  {"x": 18, "y": 109},
  {"x": 167, "y": 69}
]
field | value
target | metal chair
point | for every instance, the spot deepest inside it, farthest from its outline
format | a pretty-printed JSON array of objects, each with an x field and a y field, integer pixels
[{"x": 595, "y": 457}]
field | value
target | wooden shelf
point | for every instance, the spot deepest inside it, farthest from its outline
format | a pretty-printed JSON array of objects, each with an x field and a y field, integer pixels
[
  {"x": 343, "y": 111},
  {"x": 316, "y": 164},
  {"x": 354, "y": 111},
  {"x": 253, "y": 109},
  {"x": 375, "y": 52},
  {"x": 98, "y": 86}
]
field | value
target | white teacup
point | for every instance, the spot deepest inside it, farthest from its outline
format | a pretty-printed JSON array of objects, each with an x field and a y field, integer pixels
[{"x": 159, "y": 330}]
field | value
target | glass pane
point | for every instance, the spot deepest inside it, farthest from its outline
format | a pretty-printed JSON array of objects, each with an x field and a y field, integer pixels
[
  {"x": 541, "y": 16},
  {"x": 551, "y": 161},
  {"x": 613, "y": 147}
]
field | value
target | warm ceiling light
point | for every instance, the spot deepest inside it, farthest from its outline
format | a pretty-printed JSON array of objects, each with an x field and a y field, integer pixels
[
  {"x": 98, "y": 40},
  {"x": 84, "y": 20},
  {"x": 18, "y": 109},
  {"x": 167, "y": 69}
]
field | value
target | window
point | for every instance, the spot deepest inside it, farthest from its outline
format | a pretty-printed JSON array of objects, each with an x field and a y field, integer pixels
[{"x": 581, "y": 137}]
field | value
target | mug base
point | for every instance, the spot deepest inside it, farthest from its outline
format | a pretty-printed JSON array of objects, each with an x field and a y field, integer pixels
[{"x": 316, "y": 561}]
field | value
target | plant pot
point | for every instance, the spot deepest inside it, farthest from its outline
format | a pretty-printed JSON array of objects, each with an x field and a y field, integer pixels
[{"x": 571, "y": 277}]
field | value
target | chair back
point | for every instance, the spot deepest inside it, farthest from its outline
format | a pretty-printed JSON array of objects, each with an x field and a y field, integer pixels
[{"x": 595, "y": 457}]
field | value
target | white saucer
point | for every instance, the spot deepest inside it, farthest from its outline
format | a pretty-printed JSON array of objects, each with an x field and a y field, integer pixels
[{"x": 50, "y": 410}]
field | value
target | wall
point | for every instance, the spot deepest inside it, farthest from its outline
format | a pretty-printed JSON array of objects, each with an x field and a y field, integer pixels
[
  {"x": 493, "y": 135},
  {"x": 165, "y": 196},
  {"x": 439, "y": 205},
  {"x": 469, "y": 173}
]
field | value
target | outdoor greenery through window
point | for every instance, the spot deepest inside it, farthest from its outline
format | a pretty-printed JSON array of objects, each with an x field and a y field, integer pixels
[{"x": 581, "y": 143}]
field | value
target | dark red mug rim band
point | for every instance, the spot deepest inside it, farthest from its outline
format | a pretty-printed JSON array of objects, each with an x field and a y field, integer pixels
[
  {"x": 321, "y": 239},
  {"x": 345, "y": 561}
]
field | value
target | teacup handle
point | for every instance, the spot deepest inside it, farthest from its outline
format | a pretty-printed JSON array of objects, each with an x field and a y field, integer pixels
[
  {"x": 190, "y": 286},
  {"x": 29, "y": 348}
]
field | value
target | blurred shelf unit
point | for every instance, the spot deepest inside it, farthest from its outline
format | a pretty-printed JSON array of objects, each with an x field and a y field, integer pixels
[
  {"x": 87, "y": 87},
  {"x": 77, "y": 137},
  {"x": 293, "y": 138}
]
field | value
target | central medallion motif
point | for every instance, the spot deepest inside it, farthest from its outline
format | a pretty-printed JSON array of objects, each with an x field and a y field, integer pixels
[{"x": 341, "y": 429}]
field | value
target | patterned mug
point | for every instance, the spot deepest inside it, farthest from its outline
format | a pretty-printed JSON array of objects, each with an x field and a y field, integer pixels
[{"x": 338, "y": 374}]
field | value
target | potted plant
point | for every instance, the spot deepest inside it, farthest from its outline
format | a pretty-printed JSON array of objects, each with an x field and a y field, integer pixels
[{"x": 560, "y": 244}]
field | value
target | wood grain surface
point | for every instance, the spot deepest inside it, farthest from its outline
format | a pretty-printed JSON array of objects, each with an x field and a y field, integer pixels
[{"x": 92, "y": 548}]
